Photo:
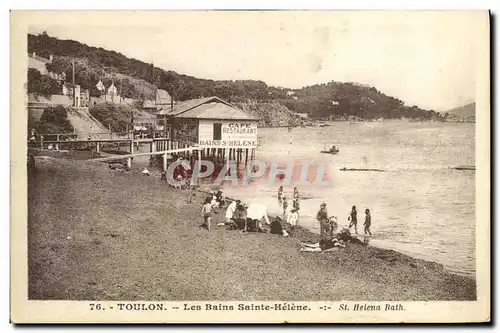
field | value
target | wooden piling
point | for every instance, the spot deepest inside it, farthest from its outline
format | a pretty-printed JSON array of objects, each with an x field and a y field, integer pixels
[
  {"x": 226, "y": 161},
  {"x": 199, "y": 160}
]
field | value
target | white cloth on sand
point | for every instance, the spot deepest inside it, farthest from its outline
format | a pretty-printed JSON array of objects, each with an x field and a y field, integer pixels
[
  {"x": 146, "y": 172},
  {"x": 257, "y": 211},
  {"x": 231, "y": 209}
]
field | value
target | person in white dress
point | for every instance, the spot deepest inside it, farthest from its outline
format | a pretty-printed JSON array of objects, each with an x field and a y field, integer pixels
[
  {"x": 230, "y": 211},
  {"x": 293, "y": 219}
]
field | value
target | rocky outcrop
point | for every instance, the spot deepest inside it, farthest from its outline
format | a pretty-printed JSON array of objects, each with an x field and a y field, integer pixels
[{"x": 272, "y": 114}]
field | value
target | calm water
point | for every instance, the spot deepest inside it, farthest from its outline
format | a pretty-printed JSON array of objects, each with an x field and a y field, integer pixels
[{"x": 419, "y": 206}]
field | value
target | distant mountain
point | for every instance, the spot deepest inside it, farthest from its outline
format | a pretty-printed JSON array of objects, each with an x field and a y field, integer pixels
[
  {"x": 465, "y": 111},
  {"x": 333, "y": 100}
]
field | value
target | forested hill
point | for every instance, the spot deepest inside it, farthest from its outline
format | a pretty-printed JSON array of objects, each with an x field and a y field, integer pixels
[
  {"x": 332, "y": 100},
  {"x": 465, "y": 111}
]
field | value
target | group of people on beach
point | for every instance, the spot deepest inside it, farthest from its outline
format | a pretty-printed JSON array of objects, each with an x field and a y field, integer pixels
[
  {"x": 247, "y": 218},
  {"x": 322, "y": 215},
  {"x": 239, "y": 216},
  {"x": 293, "y": 216},
  {"x": 353, "y": 220}
]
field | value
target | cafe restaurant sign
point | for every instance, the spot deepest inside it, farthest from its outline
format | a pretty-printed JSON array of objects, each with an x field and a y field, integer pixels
[{"x": 229, "y": 134}]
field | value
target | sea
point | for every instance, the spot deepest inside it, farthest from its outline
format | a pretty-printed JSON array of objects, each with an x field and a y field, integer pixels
[{"x": 420, "y": 205}]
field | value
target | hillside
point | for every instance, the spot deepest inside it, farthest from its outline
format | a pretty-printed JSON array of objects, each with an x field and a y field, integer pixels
[
  {"x": 465, "y": 111},
  {"x": 332, "y": 100}
]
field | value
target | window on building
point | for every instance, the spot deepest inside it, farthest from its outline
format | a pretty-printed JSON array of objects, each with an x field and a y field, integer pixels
[{"x": 217, "y": 131}]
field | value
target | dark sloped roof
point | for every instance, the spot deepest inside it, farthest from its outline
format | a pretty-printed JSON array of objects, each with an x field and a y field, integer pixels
[
  {"x": 186, "y": 105},
  {"x": 215, "y": 110},
  {"x": 208, "y": 108}
]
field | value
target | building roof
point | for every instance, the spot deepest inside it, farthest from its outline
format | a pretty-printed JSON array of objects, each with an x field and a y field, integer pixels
[
  {"x": 163, "y": 97},
  {"x": 207, "y": 108},
  {"x": 214, "y": 110},
  {"x": 185, "y": 106}
]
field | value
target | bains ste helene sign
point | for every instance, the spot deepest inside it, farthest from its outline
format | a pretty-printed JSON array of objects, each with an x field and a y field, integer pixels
[
  {"x": 227, "y": 143},
  {"x": 228, "y": 134}
]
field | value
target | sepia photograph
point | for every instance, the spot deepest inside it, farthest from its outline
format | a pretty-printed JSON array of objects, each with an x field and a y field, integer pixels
[{"x": 278, "y": 163}]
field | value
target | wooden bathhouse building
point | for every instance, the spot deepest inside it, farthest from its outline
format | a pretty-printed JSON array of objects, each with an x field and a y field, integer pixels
[{"x": 221, "y": 129}]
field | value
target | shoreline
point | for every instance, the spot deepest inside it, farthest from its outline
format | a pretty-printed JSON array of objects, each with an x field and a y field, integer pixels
[
  {"x": 327, "y": 123},
  {"x": 122, "y": 220}
]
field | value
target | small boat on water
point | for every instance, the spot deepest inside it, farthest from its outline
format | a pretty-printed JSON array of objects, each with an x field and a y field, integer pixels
[
  {"x": 465, "y": 167},
  {"x": 332, "y": 151},
  {"x": 355, "y": 169}
]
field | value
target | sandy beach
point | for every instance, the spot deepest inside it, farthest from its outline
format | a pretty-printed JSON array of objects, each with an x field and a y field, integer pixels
[{"x": 99, "y": 234}]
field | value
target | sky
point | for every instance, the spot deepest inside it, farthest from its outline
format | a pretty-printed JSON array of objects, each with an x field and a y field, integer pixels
[{"x": 423, "y": 58}]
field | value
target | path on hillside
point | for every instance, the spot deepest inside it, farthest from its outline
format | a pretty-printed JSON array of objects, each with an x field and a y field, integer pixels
[{"x": 83, "y": 123}]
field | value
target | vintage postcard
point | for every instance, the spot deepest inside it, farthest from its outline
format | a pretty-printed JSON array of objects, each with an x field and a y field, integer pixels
[{"x": 250, "y": 166}]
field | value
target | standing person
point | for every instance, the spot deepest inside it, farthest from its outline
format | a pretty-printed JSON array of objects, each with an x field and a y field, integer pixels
[
  {"x": 293, "y": 219},
  {"x": 368, "y": 221},
  {"x": 220, "y": 198},
  {"x": 32, "y": 136},
  {"x": 322, "y": 218},
  {"x": 280, "y": 195},
  {"x": 231, "y": 209},
  {"x": 296, "y": 198},
  {"x": 206, "y": 213},
  {"x": 285, "y": 206},
  {"x": 354, "y": 219},
  {"x": 214, "y": 202},
  {"x": 192, "y": 190}
]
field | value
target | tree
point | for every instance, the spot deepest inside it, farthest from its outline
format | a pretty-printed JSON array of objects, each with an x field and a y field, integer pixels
[
  {"x": 43, "y": 85},
  {"x": 54, "y": 120}
]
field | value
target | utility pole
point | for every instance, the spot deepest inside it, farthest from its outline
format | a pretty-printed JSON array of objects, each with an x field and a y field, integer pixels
[
  {"x": 103, "y": 77},
  {"x": 74, "y": 87},
  {"x": 121, "y": 91},
  {"x": 171, "y": 116}
]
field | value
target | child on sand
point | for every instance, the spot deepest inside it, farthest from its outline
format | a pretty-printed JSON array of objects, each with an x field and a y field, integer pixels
[
  {"x": 285, "y": 206},
  {"x": 280, "y": 194},
  {"x": 368, "y": 221},
  {"x": 354, "y": 219},
  {"x": 322, "y": 217},
  {"x": 293, "y": 219},
  {"x": 192, "y": 190},
  {"x": 296, "y": 198},
  {"x": 206, "y": 213}
]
